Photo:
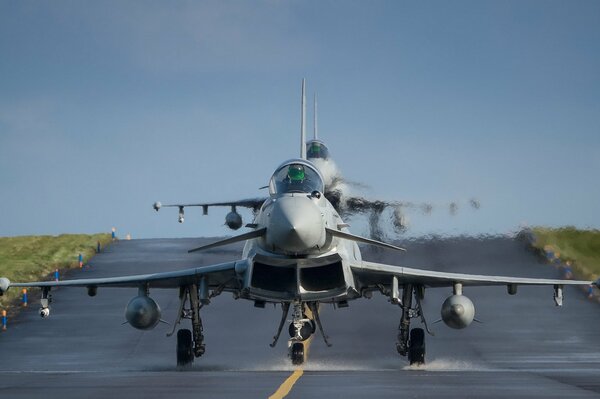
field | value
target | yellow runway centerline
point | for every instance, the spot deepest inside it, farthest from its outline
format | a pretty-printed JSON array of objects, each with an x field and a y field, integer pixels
[{"x": 287, "y": 385}]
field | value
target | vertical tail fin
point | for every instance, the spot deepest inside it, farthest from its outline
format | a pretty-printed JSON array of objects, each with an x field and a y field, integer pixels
[
  {"x": 302, "y": 125},
  {"x": 315, "y": 116}
]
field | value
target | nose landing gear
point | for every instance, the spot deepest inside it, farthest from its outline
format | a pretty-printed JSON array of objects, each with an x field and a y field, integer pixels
[
  {"x": 300, "y": 329},
  {"x": 304, "y": 323}
]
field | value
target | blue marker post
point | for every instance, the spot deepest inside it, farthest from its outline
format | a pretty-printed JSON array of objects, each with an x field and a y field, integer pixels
[
  {"x": 113, "y": 234},
  {"x": 56, "y": 275},
  {"x": 568, "y": 273},
  {"x": 80, "y": 261},
  {"x": 4, "y": 320},
  {"x": 24, "y": 300}
]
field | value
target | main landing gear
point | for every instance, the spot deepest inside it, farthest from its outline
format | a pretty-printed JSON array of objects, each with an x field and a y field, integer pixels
[
  {"x": 411, "y": 343},
  {"x": 190, "y": 343},
  {"x": 305, "y": 320}
]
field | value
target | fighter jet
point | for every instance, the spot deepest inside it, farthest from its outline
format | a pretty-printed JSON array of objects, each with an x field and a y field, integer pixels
[
  {"x": 299, "y": 254},
  {"x": 337, "y": 190}
]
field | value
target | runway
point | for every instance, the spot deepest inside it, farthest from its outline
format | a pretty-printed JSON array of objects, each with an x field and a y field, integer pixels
[{"x": 525, "y": 346}]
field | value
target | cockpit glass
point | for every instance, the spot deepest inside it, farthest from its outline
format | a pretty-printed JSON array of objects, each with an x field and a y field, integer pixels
[
  {"x": 295, "y": 178},
  {"x": 316, "y": 149}
]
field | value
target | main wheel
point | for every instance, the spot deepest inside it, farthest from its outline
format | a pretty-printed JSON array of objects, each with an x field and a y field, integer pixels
[
  {"x": 297, "y": 353},
  {"x": 416, "y": 347},
  {"x": 185, "y": 354}
]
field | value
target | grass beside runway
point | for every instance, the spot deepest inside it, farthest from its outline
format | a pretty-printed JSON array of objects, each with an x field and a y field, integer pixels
[
  {"x": 580, "y": 248},
  {"x": 35, "y": 258}
]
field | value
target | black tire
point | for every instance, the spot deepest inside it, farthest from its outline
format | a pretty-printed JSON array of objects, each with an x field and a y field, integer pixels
[
  {"x": 416, "y": 347},
  {"x": 185, "y": 354},
  {"x": 297, "y": 353}
]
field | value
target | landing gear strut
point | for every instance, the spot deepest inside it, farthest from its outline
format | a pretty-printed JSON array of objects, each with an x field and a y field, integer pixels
[
  {"x": 285, "y": 307},
  {"x": 301, "y": 327},
  {"x": 411, "y": 343},
  {"x": 404, "y": 327},
  {"x": 190, "y": 344},
  {"x": 45, "y": 303}
]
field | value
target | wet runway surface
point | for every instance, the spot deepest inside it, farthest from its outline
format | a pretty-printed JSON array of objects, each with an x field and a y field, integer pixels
[{"x": 525, "y": 346}]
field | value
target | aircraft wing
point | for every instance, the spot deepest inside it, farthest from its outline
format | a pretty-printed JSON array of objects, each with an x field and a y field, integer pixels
[
  {"x": 377, "y": 274},
  {"x": 252, "y": 203},
  {"x": 219, "y": 275}
]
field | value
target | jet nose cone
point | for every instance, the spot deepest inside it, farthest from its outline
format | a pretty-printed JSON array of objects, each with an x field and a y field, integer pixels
[{"x": 296, "y": 225}]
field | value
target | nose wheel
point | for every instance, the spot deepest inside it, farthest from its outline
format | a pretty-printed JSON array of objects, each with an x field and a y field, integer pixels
[{"x": 297, "y": 353}]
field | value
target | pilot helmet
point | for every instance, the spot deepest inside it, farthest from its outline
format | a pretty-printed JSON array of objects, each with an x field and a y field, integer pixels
[
  {"x": 296, "y": 173},
  {"x": 315, "y": 149}
]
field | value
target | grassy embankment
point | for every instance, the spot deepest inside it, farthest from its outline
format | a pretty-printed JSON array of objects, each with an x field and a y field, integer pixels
[
  {"x": 581, "y": 248},
  {"x": 35, "y": 258}
]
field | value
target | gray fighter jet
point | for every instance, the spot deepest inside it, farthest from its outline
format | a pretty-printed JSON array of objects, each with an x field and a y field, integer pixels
[
  {"x": 299, "y": 254},
  {"x": 337, "y": 190}
]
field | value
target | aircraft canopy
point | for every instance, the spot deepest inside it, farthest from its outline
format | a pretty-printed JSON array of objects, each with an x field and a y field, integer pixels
[
  {"x": 316, "y": 149},
  {"x": 296, "y": 176}
]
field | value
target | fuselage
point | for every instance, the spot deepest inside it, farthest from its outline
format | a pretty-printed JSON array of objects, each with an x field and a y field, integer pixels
[{"x": 296, "y": 259}]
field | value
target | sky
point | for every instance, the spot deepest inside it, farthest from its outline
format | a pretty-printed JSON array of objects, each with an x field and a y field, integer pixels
[{"x": 106, "y": 107}]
